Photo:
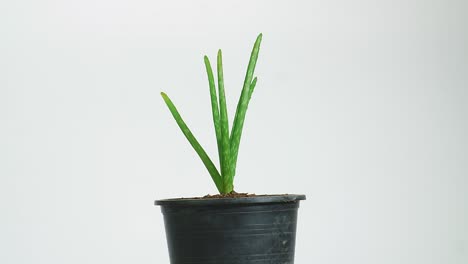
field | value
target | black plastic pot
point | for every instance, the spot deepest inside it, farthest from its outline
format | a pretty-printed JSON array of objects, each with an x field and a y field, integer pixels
[{"x": 250, "y": 230}]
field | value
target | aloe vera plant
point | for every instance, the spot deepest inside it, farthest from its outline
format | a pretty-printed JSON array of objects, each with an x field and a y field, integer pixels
[{"x": 227, "y": 141}]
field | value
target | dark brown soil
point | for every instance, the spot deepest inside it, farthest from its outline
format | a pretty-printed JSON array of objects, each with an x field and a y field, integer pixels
[
  {"x": 229, "y": 195},
  {"x": 232, "y": 194}
]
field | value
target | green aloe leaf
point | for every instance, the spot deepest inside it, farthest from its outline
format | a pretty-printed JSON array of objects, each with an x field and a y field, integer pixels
[
  {"x": 252, "y": 87},
  {"x": 242, "y": 105},
  {"x": 214, "y": 106},
  {"x": 225, "y": 151},
  {"x": 194, "y": 142}
]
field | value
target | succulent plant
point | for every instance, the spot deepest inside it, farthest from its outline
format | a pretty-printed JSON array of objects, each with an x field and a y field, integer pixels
[{"x": 228, "y": 141}]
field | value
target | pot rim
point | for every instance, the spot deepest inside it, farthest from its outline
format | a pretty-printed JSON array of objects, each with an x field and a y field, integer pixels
[{"x": 260, "y": 199}]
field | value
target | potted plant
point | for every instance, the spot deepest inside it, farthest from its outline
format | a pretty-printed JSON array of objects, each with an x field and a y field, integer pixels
[{"x": 230, "y": 227}]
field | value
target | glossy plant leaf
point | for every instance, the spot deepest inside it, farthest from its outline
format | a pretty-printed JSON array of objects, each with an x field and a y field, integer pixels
[
  {"x": 242, "y": 105},
  {"x": 225, "y": 144},
  {"x": 194, "y": 142},
  {"x": 214, "y": 105},
  {"x": 252, "y": 87}
]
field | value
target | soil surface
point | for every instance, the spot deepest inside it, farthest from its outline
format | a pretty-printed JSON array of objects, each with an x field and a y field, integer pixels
[{"x": 232, "y": 194}]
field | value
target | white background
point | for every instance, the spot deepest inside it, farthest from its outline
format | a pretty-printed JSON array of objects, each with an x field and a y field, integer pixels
[{"x": 360, "y": 105}]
